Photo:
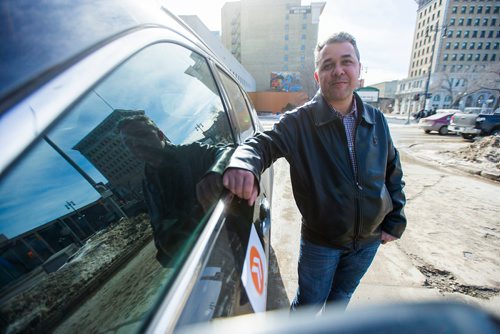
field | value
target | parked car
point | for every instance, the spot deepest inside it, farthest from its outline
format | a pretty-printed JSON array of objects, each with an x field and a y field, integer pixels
[
  {"x": 464, "y": 123},
  {"x": 489, "y": 123},
  {"x": 74, "y": 200},
  {"x": 438, "y": 122}
]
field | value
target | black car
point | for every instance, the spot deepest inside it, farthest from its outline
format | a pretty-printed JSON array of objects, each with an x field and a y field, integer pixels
[{"x": 92, "y": 239}]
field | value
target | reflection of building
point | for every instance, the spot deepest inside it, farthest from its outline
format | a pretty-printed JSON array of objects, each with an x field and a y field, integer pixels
[
  {"x": 103, "y": 148},
  {"x": 272, "y": 36},
  {"x": 455, "y": 49},
  {"x": 34, "y": 249}
]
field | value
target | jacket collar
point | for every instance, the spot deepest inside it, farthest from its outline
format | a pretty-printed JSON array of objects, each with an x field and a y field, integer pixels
[{"x": 323, "y": 115}]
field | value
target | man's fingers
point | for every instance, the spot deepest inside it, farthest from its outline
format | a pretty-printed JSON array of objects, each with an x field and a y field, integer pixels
[{"x": 241, "y": 183}]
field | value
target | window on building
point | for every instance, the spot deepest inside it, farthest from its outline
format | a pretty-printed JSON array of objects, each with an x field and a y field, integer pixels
[
  {"x": 493, "y": 57},
  {"x": 483, "y": 34},
  {"x": 445, "y": 57},
  {"x": 285, "y": 58},
  {"x": 448, "y": 44},
  {"x": 485, "y": 22},
  {"x": 497, "y": 10},
  {"x": 463, "y": 10},
  {"x": 471, "y": 9},
  {"x": 302, "y": 47},
  {"x": 479, "y": 45},
  {"x": 304, "y": 26},
  {"x": 303, "y": 36},
  {"x": 477, "y": 57},
  {"x": 462, "y": 57},
  {"x": 461, "y": 21},
  {"x": 476, "y": 22},
  {"x": 285, "y": 47},
  {"x": 485, "y": 57},
  {"x": 495, "y": 46},
  {"x": 459, "y": 34},
  {"x": 487, "y": 45},
  {"x": 474, "y": 34},
  {"x": 466, "y": 34},
  {"x": 455, "y": 46},
  {"x": 450, "y": 33},
  {"x": 464, "y": 45},
  {"x": 487, "y": 10},
  {"x": 479, "y": 9},
  {"x": 452, "y": 22},
  {"x": 493, "y": 22},
  {"x": 469, "y": 57},
  {"x": 469, "y": 22},
  {"x": 472, "y": 45},
  {"x": 452, "y": 69},
  {"x": 454, "y": 58},
  {"x": 454, "y": 9},
  {"x": 286, "y": 37}
]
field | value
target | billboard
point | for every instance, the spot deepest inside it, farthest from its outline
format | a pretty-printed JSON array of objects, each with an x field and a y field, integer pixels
[{"x": 368, "y": 94}]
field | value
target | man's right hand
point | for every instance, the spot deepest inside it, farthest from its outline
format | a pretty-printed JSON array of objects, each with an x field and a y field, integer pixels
[{"x": 242, "y": 183}]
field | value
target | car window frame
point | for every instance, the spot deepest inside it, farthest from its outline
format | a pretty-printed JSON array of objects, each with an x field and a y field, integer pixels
[
  {"x": 71, "y": 85},
  {"x": 230, "y": 110}
]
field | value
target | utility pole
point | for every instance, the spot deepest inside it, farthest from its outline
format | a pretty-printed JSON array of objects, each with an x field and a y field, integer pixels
[{"x": 427, "y": 95}]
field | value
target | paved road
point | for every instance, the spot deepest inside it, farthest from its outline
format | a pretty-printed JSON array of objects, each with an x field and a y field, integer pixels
[{"x": 450, "y": 249}]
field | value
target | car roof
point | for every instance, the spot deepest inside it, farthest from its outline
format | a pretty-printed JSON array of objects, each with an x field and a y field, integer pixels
[{"x": 39, "y": 39}]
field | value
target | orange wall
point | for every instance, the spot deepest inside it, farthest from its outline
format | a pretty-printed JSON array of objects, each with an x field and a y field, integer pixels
[{"x": 275, "y": 101}]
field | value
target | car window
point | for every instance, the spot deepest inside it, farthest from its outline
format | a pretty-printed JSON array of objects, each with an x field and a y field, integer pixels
[
  {"x": 98, "y": 217},
  {"x": 239, "y": 106}
]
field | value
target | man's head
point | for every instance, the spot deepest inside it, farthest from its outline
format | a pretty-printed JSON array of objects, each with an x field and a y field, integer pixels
[
  {"x": 142, "y": 138},
  {"x": 337, "y": 68}
]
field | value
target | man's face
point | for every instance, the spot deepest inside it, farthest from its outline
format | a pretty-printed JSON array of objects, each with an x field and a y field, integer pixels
[
  {"x": 337, "y": 72},
  {"x": 144, "y": 142}
]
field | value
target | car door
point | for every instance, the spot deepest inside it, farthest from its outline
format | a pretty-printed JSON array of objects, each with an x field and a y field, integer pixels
[{"x": 86, "y": 239}]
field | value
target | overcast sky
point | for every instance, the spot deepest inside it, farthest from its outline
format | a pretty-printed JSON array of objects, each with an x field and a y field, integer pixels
[{"x": 383, "y": 29}]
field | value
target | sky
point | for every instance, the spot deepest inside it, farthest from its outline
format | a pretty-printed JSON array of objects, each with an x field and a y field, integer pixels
[{"x": 383, "y": 29}]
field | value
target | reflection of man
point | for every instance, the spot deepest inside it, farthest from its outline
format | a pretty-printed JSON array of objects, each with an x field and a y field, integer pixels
[{"x": 175, "y": 176}]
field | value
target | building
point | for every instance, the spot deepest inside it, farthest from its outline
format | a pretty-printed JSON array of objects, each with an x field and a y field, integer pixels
[
  {"x": 455, "y": 56},
  {"x": 274, "y": 41}
]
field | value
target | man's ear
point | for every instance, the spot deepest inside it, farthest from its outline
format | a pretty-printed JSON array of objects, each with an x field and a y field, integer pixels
[{"x": 316, "y": 76}]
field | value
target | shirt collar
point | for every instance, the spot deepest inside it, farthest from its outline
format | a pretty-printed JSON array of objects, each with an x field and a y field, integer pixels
[{"x": 352, "y": 113}]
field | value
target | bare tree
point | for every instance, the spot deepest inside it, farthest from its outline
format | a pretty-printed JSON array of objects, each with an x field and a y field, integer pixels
[{"x": 467, "y": 80}]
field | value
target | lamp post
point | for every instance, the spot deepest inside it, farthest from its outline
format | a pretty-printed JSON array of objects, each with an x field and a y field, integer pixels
[{"x": 436, "y": 29}]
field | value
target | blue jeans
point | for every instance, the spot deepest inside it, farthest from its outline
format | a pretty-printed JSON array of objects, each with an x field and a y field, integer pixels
[{"x": 330, "y": 275}]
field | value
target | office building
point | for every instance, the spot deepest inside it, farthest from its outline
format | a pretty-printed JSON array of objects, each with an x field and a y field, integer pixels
[
  {"x": 454, "y": 57},
  {"x": 274, "y": 41}
]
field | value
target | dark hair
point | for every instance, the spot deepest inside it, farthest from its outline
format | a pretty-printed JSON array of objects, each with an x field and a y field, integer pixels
[
  {"x": 127, "y": 121},
  {"x": 339, "y": 37}
]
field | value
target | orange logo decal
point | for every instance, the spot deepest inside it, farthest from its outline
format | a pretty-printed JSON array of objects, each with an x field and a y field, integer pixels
[{"x": 257, "y": 270}]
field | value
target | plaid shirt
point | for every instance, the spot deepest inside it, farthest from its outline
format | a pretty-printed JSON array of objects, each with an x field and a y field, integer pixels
[{"x": 349, "y": 122}]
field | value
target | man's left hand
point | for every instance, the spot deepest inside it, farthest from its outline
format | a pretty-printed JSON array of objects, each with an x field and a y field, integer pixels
[{"x": 386, "y": 237}]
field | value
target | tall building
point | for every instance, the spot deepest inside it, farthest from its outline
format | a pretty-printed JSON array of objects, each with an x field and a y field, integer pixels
[
  {"x": 274, "y": 41},
  {"x": 455, "y": 56}
]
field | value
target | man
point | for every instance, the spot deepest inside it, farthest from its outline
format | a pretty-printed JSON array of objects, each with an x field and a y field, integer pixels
[
  {"x": 180, "y": 181},
  {"x": 346, "y": 177}
]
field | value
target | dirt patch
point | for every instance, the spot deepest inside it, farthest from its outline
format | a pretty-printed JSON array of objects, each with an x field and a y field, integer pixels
[
  {"x": 485, "y": 150},
  {"x": 444, "y": 281}
]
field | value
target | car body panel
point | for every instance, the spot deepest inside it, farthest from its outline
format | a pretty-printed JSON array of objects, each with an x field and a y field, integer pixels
[
  {"x": 50, "y": 109},
  {"x": 435, "y": 122},
  {"x": 464, "y": 122}
]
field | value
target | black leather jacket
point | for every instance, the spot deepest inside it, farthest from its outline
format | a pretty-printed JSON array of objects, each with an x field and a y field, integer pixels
[{"x": 339, "y": 209}]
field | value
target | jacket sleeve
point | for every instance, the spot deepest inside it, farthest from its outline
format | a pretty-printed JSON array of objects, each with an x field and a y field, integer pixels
[
  {"x": 259, "y": 151},
  {"x": 395, "y": 222}
]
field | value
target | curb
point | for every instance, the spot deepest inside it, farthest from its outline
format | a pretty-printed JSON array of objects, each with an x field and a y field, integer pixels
[{"x": 490, "y": 175}]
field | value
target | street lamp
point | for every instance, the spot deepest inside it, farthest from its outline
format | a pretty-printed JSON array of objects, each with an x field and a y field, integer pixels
[{"x": 427, "y": 105}]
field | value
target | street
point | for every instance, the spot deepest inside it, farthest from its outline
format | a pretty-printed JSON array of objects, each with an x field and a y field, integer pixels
[{"x": 449, "y": 249}]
